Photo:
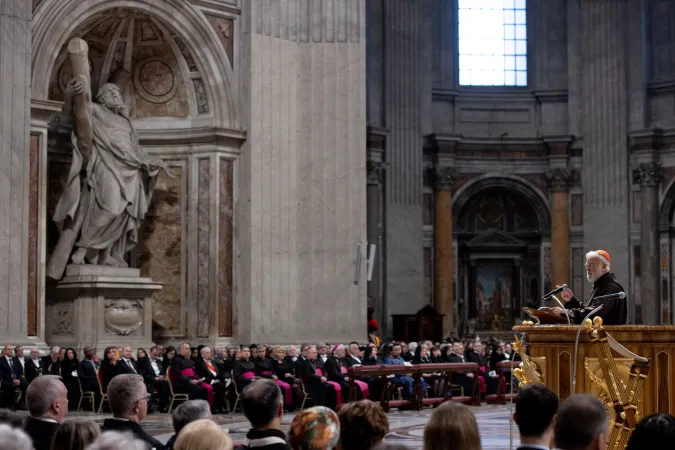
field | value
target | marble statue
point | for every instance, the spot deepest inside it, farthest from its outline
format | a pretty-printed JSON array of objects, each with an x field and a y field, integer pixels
[{"x": 111, "y": 180}]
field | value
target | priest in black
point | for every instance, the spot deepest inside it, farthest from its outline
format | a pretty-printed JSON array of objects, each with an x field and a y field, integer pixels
[
  {"x": 244, "y": 370},
  {"x": 315, "y": 385},
  {"x": 184, "y": 376},
  {"x": 614, "y": 311}
]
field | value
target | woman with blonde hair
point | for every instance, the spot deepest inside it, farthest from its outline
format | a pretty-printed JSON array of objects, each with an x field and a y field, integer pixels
[
  {"x": 452, "y": 427},
  {"x": 75, "y": 435},
  {"x": 202, "y": 435}
]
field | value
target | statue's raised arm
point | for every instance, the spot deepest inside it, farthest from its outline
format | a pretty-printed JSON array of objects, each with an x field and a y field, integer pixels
[{"x": 80, "y": 91}]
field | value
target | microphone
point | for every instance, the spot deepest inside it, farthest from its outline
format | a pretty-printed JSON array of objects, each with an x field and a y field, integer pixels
[
  {"x": 619, "y": 295},
  {"x": 555, "y": 291}
]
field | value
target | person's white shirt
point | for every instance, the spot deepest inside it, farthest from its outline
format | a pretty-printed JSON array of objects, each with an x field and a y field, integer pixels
[
  {"x": 22, "y": 360},
  {"x": 155, "y": 367}
]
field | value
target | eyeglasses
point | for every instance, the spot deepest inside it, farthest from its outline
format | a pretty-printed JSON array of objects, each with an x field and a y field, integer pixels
[{"x": 147, "y": 398}]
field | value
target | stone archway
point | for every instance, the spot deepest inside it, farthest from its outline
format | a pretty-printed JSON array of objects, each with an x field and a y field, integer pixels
[
  {"x": 502, "y": 229},
  {"x": 183, "y": 94}
]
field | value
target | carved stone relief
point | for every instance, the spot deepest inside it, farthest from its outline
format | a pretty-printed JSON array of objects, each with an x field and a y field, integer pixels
[
  {"x": 444, "y": 178},
  {"x": 123, "y": 316},
  {"x": 561, "y": 179},
  {"x": 62, "y": 319},
  {"x": 647, "y": 174}
]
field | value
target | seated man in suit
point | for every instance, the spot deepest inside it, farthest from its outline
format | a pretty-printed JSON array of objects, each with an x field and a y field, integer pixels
[
  {"x": 33, "y": 365},
  {"x": 209, "y": 372},
  {"x": 150, "y": 368},
  {"x": 86, "y": 372},
  {"x": 536, "y": 406},
  {"x": 316, "y": 385},
  {"x": 51, "y": 364},
  {"x": 10, "y": 378},
  {"x": 127, "y": 365},
  {"x": 128, "y": 398},
  {"x": 47, "y": 401}
]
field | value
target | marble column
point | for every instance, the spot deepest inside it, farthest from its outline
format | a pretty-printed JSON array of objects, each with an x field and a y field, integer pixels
[
  {"x": 559, "y": 180},
  {"x": 18, "y": 316},
  {"x": 374, "y": 231},
  {"x": 648, "y": 175},
  {"x": 443, "y": 263}
]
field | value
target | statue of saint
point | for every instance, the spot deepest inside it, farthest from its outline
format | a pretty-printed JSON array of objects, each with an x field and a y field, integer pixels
[{"x": 111, "y": 179}]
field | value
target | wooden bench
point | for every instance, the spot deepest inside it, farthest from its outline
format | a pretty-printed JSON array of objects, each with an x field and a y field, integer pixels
[
  {"x": 415, "y": 372},
  {"x": 504, "y": 394}
]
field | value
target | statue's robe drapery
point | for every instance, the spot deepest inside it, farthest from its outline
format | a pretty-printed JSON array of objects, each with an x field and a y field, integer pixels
[{"x": 120, "y": 179}]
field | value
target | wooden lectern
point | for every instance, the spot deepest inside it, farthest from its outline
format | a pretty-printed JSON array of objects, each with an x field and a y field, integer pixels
[{"x": 551, "y": 348}]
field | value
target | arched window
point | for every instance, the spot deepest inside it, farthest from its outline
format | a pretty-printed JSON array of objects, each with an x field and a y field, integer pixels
[{"x": 492, "y": 42}]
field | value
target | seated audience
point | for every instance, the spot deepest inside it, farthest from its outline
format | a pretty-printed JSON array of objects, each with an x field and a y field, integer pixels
[
  {"x": 70, "y": 378},
  {"x": 33, "y": 366},
  {"x": 150, "y": 369},
  {"x": 581, "y": 424},
  {"x": 11, "y": 418},
  {"x": 128, "y": 398},
  {"x": 47, "y": 402},
  {"x": 403, "y": 380},
  {"x": 316, "y": 384},
  {"x": 316, "y": 428},
  {"x": 168, "y": 356},
  {"x": 203, "y": 435},
  {"x": 363, "y": 425},
  {"x": 75, "y": 435},
  {"x": 452, "y": 427},
  {"x": 10, "y": 378},
  {"x": 51, "y": 364},
  {"x": 262, "y": 405},
  {"x": 243, "y": 370},
  {"x": 109, "y": 369},
  {"x": 654, "y": 432},
  {"x": 185, "y": 379},
  {"x": 536, "y": 407},
  {"x": 117, "y": 440},
  {"x": 86, "y": 371},
  {"x": 186, "y": 413},
  {"x": 265, "y": 368},
  {"x": 12, "y": 438},
  {"x": 208, "y": 371}
]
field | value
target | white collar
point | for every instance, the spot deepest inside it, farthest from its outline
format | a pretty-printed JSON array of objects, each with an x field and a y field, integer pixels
[{"x": 46, "y": 419}]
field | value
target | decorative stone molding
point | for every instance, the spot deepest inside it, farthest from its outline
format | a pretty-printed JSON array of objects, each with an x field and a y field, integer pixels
[
  {"x": 647, "y": 174},
  {"x": 560, "y": 180},
  {"x": 123, "y": 316},
  {"x": 444, "y": 178},
  {"x": 375, "y": 170}
]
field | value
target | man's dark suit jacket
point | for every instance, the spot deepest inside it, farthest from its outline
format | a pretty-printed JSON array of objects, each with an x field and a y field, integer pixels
[
  {"x": 6, "y": 372},
  {"x": 204, "y": 372},
  {"x": 32, "y": 371},
  {"x": 122, "y": 366},
  {"x": 87, "y": 375},
  {"x": 41, "y": 432},
  {"x": 127, "y": 425},
  {"x": 48, "y": 364}
]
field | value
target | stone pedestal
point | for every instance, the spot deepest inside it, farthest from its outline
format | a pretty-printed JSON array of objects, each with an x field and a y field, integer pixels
[
  {"x": 444, "y": 265},
  {"x": 100, "y": 306}
]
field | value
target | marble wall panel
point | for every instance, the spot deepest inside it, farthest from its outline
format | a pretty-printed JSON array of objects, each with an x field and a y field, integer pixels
[
  {"x": 203, "y": 241},
  {"x": 162, "y": 250},
  {"x": 33, "y": 223},
  {"x": 225, "y": 242},
  {"x": 225, "y": 29}
]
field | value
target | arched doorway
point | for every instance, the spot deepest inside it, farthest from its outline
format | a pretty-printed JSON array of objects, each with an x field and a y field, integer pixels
[
  {"x": 502, "y": 229},
  {"x": 174, "y": 65}
]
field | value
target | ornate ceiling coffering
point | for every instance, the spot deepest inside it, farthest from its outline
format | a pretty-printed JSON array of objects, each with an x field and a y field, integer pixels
[{"x": 158, "y": 74}]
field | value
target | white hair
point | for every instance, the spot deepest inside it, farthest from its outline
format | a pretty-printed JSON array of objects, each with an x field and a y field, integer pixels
[
  {"x": 596, "y": 254},
  {"x": 412, "y": 347},
  {"x": 115, "y": 440},
  {"x": 41, "y": 394},
  {"x": 14, "y": 438},
  {"x": 203, "y": 350}
]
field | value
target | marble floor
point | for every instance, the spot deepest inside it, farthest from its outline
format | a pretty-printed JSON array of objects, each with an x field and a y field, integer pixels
[{"x": 406, "y": 427}]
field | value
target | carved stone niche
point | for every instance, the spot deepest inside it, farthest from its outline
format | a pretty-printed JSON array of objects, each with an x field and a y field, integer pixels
[{"x": 100, "y": 306}]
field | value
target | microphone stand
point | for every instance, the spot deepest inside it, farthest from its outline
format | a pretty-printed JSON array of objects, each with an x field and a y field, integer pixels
[
  {"x": 563, "y": 308},
  {"x": 576, "y": 346}
]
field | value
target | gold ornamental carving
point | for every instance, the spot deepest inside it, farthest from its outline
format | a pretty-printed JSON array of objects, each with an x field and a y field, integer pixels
[
  {"x": 621, "y": 397},
  {"x": 528, "y": 372}
]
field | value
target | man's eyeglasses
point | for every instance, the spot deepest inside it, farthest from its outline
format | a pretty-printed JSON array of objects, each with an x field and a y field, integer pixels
[{"x": 147, "y": 398}]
